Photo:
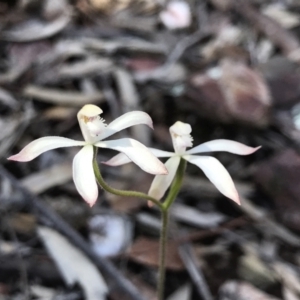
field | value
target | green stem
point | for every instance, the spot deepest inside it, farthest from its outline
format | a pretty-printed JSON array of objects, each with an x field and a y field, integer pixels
[
  {"x": 173, "y": 192},
  {"x": 176, "y": 185},
  {"x": 162, "y": 253},
  {"x": 114, "y": 191}
]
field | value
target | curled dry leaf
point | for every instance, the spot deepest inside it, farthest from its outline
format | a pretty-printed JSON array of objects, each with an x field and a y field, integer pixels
[
  {"x": 230, "y": 93},
  {"x": 245, "y": 91}
]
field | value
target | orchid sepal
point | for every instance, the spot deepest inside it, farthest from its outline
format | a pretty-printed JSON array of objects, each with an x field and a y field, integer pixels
[
  {"x": 138, "y": 153},
  {"x": 217, "y": 174},
  {"x": 122, "y": 159},
  {"x": 223, "y": 145},
  {"x": 83, "y": 175},
  {"x": 41, "y": 145},
  {"x": 162, "y": 182}
]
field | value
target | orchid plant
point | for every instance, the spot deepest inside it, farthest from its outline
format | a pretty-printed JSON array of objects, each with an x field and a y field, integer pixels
[
  {"x": 181, "y": 137},
  {"x": 94, "y": 130},
  {"x": 168, "y": 176}
]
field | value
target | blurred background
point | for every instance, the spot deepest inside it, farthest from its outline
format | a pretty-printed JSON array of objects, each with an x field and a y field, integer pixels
[{"x": 230, "y": 68}]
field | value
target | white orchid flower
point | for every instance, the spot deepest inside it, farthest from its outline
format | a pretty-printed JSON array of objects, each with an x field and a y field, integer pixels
[
  {"x": 94, "y": 130},
  {"x": 212, "y": 168}
]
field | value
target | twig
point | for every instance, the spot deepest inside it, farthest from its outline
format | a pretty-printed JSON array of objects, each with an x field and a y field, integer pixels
[
  {"x": 45, "y": 213},
  {"x": 188, "y": 257},
  {"x": 200, "y": 235}
]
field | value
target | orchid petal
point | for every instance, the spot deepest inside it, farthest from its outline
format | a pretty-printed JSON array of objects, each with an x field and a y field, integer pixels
[
  {"x": 83, "y": 175},
  {"x": 122, "y": 159},
  {"x": 216, "y": 173},
  {"x": 138, "y": 153},
  {"x": 162, "y": 182},
  {"x": 223, "y": 145},
  {"x": 39, "y": 146},
  {"x": 161, "y": 153},
  {"x": 118, "y": 160},
  {"x": 127, "y": 120}
]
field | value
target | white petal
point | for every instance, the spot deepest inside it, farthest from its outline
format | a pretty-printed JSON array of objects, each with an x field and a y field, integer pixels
[
  {"x": 83, "y": 175},
  {"x": 216, "y": 173},
  {"x": 117, "y": 160},
  {"x": 161, "y": 153},
  {"x": 162, "y": 182},
  {"x": 127, "y": 120},
  {"x": 122, "y": 159},
  {"x": 138, "y": 153},
  {"x": 223, "y": 145},
  {"x": 42, "y": 145}
]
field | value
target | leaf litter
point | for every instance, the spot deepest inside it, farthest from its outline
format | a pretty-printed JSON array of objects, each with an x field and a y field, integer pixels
[{"x": 229, "y": 68}]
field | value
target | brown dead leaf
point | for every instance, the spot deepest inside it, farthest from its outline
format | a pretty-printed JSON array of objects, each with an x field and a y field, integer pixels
[
  {"x": 246, "y": 93},
  {"x": 146, "y": 251},
  {"x": 230, "y": 93}
]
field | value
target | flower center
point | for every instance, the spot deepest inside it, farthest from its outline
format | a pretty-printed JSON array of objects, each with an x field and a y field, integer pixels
[
  {"x": 180, "y": 133},
  {"x": 91, "y": 124},
  {"x": 95, "y": 125}
]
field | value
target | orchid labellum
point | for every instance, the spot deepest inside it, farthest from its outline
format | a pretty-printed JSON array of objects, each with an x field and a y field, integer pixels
[{"x": 94, "y": 130}]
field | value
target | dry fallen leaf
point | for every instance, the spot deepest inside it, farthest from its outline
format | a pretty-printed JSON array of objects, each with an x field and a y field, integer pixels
[
  {"x": 145, "y": 251},
  {"x": 73, "y": 264}
]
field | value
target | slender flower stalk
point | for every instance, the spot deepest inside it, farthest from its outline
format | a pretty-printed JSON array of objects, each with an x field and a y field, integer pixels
[
  {"x": 124, "y": 193},
  {"x": 173, "y": 192},
  {"x": 94, "y": 130}
]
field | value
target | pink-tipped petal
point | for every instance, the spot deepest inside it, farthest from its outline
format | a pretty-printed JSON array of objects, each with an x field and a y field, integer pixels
[
  {"x": 136, "y": 152},
  {"x": 39, "y": 146},
  {"x": 127, "y": 120},
  {"x": 83, "y": 175},
  {"x": 162, "y": 182},
  {"x": 122, "y": 159},
  {"x": 217, "y": 174},
  {"x": 223, "y": 145}
]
